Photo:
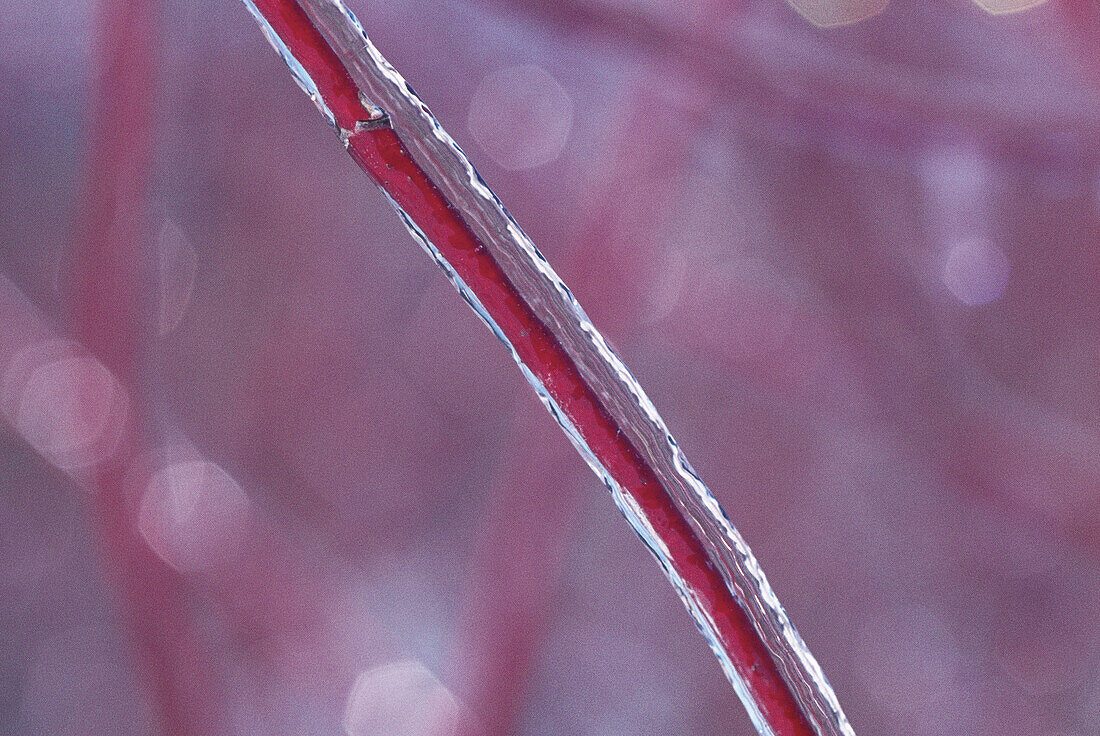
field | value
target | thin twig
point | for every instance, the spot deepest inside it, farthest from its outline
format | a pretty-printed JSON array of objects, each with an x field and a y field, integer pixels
[
  {"x": 601, "y": 407},
  {"x": 533, "y": 507}
]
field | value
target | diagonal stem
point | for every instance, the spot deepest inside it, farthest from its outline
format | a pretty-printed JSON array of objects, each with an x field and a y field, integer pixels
[
  {"x": 534, "y": 503},
  {"x": 605, "y": 413}
]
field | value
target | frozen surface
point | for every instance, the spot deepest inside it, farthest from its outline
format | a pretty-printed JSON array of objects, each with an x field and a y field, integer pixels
[{"x": 533, "y": 277}]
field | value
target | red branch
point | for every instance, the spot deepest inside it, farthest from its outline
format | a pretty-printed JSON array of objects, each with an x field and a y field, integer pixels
[
  {"x": 108, "y": 278},
  {"x": 533, "y": 506},
  {"x": 380, "y": 153}
]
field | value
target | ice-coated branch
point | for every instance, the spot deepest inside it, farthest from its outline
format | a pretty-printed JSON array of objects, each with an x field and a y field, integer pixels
[{"x": 449, "y": 209}]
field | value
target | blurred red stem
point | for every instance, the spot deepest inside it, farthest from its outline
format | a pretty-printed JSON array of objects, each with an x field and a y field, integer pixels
[
  {"x": 521, "y": 546},
  {"x": 109, "y": 280}
]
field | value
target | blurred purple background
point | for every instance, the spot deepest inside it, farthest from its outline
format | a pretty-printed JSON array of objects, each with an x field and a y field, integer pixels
[{"x": 855, "y": 268}]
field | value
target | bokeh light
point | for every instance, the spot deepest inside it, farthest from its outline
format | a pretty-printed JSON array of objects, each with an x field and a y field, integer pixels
[
  {"x": 833, "y": 13},
  {"x": 1003, "y": 7},
  {"x": 976, "y": 272},
  {"x": 520, "y": 117},
  {"x": 401, "y": 699},
  {"x": 192, "y": 514},
  {"x": 66, "y": 404},
  {"x": 177, "y": 265}
]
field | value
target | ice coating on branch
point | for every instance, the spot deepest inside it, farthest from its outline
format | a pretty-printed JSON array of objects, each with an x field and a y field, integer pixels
[
  {"x": 532, "y": 276},
  {"x": 296, "y": 69}
]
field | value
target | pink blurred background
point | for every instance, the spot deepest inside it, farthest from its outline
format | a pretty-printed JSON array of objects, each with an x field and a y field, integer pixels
[{"x": 854, "y": 267}]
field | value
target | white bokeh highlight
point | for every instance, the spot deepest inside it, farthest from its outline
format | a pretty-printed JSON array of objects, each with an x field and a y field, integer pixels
[
  {"x": 192, "y": 514},
  {"x": 976, "y": 272},
  {"x": 65, "y": 404},
  {"x": 1004, "y": 7},
  {"x": 177, "y": 265},
  {"x": 833, "y": 13},
  {"x": 521, "y": 117},
  {"x": 401, "y": 699}
]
